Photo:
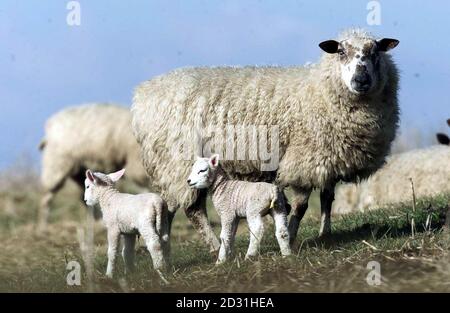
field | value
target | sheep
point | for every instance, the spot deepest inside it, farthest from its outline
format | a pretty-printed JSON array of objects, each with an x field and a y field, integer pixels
[
  {"x": 443, "y": 138},
  {"x": 334, "y": 120},
  {"x": 129, "y": 215},
  {"x": 234, "y": 200},
  {"x": 96, "y": 136},
  {"x": 391, "y": 185}
]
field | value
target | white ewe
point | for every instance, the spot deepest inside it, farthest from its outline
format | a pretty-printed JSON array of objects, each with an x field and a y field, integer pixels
[
  {"x": 129, "y": 215},
  {"x": 336, "y": 120}
]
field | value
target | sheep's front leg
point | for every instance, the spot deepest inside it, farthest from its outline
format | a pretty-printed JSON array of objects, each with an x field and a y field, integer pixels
[
  {"x": 326, "y": 200},
  {"x": 281, "y": 232},
  {"x": 299, "y": 207},
  {"x": 256, "y": 226},
  {"x": 226, "y": 238},
  {"x": 113, "y": 243},
  {"x": 128, "y": 252}
]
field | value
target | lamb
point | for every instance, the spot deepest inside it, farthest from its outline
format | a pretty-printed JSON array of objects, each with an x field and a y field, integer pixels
[
  {"x": 129, "y": 215},
  {"x": 391, "y": 185},
  {"x": 234, "y": 200},
  {"x": 334, "y": 120},
  {"x": 96, "y": 136}
]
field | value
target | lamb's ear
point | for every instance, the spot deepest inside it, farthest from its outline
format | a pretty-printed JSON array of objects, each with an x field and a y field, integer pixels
[
  {"x": 214, "y": 161},
  {"x": 329, "y": 46},
  {"x": 448, "y": 122},
  {"x": 116, "y": 175},
  {"x": 90, "y": 176},
  {"x": 443, "y": 139},
  {"x": 387, "y": 44}
]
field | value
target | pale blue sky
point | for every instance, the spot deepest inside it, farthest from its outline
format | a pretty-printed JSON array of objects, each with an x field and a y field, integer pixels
[{"x": 46, "y": 65}]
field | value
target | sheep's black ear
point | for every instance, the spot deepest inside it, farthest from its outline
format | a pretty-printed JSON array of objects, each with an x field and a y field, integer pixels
[
  {"x": 448, "y": 122},
  {"x": 443, "y": 139},
  {"x": 387, "y": 44},
  {"x": 329, "y": 46}
]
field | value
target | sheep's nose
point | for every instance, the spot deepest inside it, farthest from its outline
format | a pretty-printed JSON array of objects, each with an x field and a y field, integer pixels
[{"x": 188, "y": 181}]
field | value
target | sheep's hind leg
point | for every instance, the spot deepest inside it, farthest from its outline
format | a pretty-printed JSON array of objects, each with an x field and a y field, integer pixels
[
  {"x": 153, "y": 243},
  {"x": 326, "y": 200},
  {"x": 256, "y": 227},
  {"x": 281, "y": 232},
  {"x": 128, "y": 252},
  {"x": 196, "y": 213},
  {"x": 299, "y": 207}
]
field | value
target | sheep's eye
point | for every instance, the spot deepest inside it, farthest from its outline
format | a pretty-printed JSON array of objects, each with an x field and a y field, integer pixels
[
  {"x": 202, "y": 171},
  {"x": 341, "y": 52}
]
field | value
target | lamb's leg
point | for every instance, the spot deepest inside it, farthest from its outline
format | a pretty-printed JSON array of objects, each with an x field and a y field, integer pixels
[
  {"x": 154, "y": 246},
  {"x": 196, "y": 213},
  {"x": 281, "y": 232},
  {"x": 128, "y": 252},
  {"x": 326, "y": 200},
  {"x": 256, "y": 226},
  {"x": 226, "y": 238},
  {"x": 299, "y": 207},
  {"x": 113, "y": 243}
]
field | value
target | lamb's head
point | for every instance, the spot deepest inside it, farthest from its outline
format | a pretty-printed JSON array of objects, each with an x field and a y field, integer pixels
[
  {"x": 361, "y": 60},
  {"x": 443, "y": 139},
  {"x": 203, "y": 172},
  {"x": 96, "y": 182}
]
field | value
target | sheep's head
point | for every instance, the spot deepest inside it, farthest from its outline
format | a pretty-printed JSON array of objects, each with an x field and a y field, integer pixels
[
  {"x": 203, "y": 172},
  {"x": 94, "y": 182},
  {"x": 443, "y": 138},
  {"x": 361, "y": 59}
]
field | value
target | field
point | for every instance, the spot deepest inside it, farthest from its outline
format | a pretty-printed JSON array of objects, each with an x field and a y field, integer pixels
[{"x": 411, "y": 257}]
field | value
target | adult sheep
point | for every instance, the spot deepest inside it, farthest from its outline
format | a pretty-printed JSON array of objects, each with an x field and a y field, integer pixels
[
  {"x": 391, "y": 185},
  {"x": 336, "y": 120},
  {"x": 95, "y": 136}
]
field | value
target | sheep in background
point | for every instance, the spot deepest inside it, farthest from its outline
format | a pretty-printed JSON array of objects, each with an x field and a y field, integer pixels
[
  {"x": 336, "y": 120},
  {"x": 428, "y": 168},
  {"x": 234, "y": 199},
  {"x": 129, "y": 215},
  {"x": 96, "y": 136},
  {"x": 443, "y": 138}
]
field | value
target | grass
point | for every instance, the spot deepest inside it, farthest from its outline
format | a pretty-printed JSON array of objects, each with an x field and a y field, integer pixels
[{"x": 31, "y": 262}]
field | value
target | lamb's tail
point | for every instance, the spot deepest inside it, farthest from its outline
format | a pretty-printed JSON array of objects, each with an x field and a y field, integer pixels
[
  {"x": 42, "y": 144},
  {"x": 275, "y": 193},
  {"x": 279, "y": 200}
]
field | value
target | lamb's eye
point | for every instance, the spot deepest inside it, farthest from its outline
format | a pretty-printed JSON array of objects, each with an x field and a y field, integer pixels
[
  {"x": 341, "y": 52},
  {"x": 202, "y": 171}
]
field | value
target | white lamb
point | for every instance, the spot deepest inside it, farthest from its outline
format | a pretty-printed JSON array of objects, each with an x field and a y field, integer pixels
[
  {"x": 129, "y": 215},
  {"x": 235, "y": 199}
]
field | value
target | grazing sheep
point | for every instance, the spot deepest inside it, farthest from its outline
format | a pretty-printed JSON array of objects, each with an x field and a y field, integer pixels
[
  {"x": 443, "y": 138},
  {"x": 96, "y": 136},
  {"x": 336, "y": 120},
  {"x": 129, "y": 215},
  {"x": 391, "y": 185},
  {"x": 234, "y": 199}
]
